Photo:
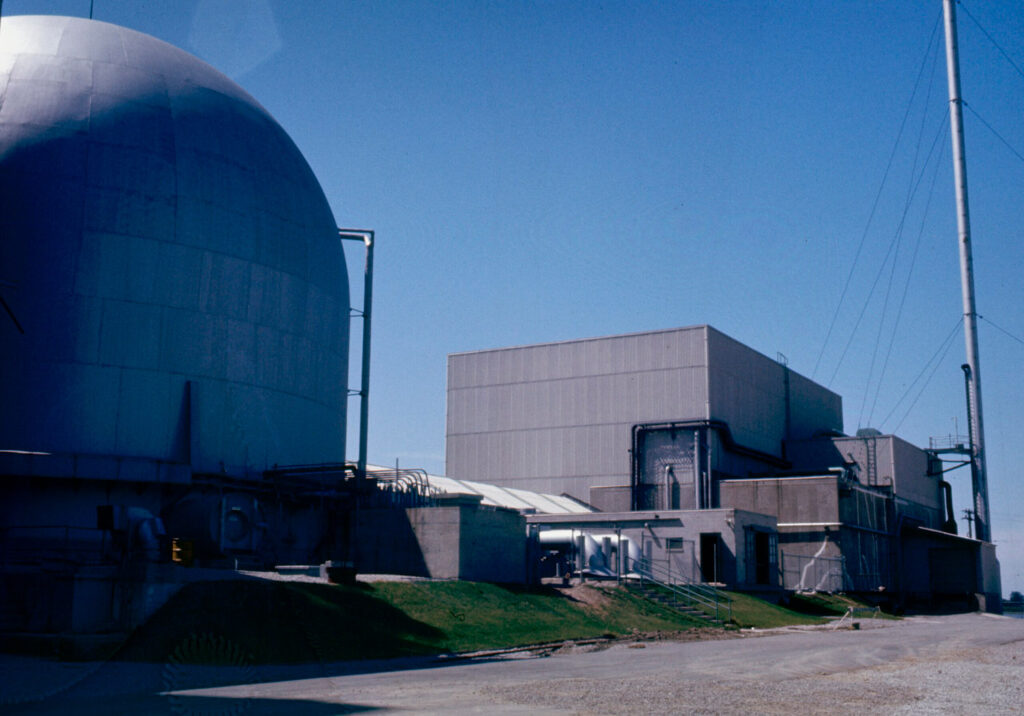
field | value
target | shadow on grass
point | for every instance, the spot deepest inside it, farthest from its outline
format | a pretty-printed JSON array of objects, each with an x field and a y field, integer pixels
[
  {"x": 814, "y": 607},
  {"x": 259, "y": 622},
  {"x": 220, "y": 633}
]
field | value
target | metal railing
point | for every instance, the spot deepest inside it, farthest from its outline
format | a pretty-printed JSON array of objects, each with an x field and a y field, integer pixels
[
  {"x": 705, "y": 597},
  {"x": 406, "y": 487}
]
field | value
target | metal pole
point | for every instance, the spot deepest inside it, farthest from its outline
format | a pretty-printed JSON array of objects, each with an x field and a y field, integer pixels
[
  {"x": 366, "y": 236},
  {"x": 979, "y": 476}
]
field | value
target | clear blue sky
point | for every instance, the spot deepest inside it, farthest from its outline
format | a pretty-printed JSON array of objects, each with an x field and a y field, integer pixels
[{"x": 555, "y": 170}]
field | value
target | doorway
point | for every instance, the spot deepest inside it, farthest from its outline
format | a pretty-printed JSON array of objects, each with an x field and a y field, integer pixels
[{"x": 710, "y": 556}]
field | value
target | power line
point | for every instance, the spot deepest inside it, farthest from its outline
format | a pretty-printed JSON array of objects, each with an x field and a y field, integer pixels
[
  {"x": 992, "y": 40},
  {"x": 910, "y": 273},
  {"x": 942, "y": 349},
  {"x": 881, "y": 269},
  {"x": 878, "y": 196},
  {"x": 1002, "y": 330},
  {"x": 911, "y": 191},
  {"x": 924, "y": 385},
  {"x": 992, "y": 129}
]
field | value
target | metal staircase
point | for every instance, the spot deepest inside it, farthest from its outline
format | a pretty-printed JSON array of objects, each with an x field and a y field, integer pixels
[{"x": 702, "y": 601}]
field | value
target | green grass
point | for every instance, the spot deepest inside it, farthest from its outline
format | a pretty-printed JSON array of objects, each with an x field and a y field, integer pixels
[
  {"x": 749, "y": 611},
  {"x": 279, "y": 622},
  {"x": 263, "y": 622},
  {"x": 833, "y": 605},
  {"x": 476, "y": 616}
]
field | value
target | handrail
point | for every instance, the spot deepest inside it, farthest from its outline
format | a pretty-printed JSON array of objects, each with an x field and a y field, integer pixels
[
  {"x": 703, "y": 595},
  {"x": 410, "y": 486}
]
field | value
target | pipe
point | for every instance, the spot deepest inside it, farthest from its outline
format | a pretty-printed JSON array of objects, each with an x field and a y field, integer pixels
[
  {"x": 721, "y": 427},
  {"x": 367, "y": 237},
  {"x": 698, "y": 497},
  {"x": 971, "y": 444},
  {"x": 949, "y": 523}
]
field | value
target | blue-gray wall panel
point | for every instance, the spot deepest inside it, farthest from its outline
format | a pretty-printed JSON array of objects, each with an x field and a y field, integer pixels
[{"x": 161, "y": 230}]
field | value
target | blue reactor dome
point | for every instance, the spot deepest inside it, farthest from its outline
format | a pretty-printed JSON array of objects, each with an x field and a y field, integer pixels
[{"x": 170, "y": 257}]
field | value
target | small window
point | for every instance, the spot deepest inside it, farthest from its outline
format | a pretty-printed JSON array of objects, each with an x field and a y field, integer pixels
[{"x": 674, "y": 543}]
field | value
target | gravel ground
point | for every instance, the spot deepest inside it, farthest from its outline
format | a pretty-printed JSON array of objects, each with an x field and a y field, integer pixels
[
  {"x": 969, "y": 663},
  {"x": 987, "y": 680}
]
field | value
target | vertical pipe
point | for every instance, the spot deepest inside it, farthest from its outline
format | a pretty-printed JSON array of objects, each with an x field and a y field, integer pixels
[
  {"x": 698, "y": 490},
  {"x": 979, "y": 474},
  {"x": 618, "y": 555},
  {"x": 366, "y": 236}
]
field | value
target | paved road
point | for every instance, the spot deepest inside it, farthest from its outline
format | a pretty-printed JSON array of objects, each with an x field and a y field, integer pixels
[{"x": 952, "y": 664}]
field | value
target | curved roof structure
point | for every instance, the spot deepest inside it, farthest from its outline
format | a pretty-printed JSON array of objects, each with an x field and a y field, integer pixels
[{"x": 170, "y": 256}]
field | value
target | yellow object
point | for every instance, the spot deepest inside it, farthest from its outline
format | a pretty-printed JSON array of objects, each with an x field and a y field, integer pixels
[{"x": 182, "y": 552}]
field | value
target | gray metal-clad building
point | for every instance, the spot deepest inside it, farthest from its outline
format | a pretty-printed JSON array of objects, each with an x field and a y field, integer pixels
[
  {"x": 170, "y": 257},
  {"x": 560, "y": 417},
  {"x": 685, "y": 424}
]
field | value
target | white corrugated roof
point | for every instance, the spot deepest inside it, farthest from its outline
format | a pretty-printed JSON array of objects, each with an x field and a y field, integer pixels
[{"x": 513, "y": 498}]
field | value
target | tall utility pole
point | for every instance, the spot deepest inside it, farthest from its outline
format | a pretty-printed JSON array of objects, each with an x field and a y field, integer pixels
[{"x": 979, "y": 476}]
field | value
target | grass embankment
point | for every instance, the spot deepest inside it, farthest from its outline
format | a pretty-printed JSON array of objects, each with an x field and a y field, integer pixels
[
  {"x": 257, "y": 621},
  {"x": 476, "y": 616},
  {"x": 263, "y": 622},
  {"x": 749, "y": 611}
]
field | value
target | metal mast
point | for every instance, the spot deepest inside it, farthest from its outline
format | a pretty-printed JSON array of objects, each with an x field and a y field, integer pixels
[
  {"x": 978, "y": 473},
  {"x": 366, "y": 236}
]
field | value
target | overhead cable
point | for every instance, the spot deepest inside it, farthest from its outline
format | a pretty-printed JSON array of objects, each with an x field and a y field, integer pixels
[
  {"x": 937, "y": 357},
  {"x": 874, "y": 205},
  {"x": 1002, "y": 330},
  {"x": 910, "y": 272},
  {"x": 992, "y": 40},
  {"x": 878, "y": 276},
  {"x": 992, "y": 129},
  {"x": 911, "y": 193}
]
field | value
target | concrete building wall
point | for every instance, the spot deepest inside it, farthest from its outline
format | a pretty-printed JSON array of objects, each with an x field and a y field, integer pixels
[
  {"x": 457, "y": 541},
  {"x": 821, "y": 521},
  {"x": 884, "y": 461},
  {"x": 492, "y": 545},
  {"x": 792, "y": 500}
]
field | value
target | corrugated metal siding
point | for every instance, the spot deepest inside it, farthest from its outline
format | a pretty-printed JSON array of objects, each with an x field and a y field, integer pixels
[
  {"x": 748, "y": 391},
  {"x": 559, "y": 417},
  {"x": 910, "y": 469},
  {"x": 814, "y": 408}
]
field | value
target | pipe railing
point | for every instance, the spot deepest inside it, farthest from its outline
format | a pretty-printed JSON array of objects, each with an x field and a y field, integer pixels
[{"x": 704, "y": 596}]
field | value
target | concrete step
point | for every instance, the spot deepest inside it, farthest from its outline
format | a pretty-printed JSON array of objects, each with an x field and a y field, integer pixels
[{"x": 657, "y": 595}]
